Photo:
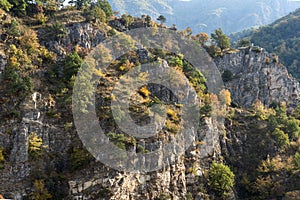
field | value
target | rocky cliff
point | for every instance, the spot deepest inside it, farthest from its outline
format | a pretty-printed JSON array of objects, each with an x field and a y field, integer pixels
[
  {"x": 69, "y": 171},
  {"x": 253, "y": 74}
]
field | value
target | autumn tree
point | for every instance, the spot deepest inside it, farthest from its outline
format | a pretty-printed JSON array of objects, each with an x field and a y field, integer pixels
[
  {"x": 202, "y": 38},
  {"x": 40, "y": 192},
  {"x": 220, "y": 39},
  {"x": 225, "y": 97}
]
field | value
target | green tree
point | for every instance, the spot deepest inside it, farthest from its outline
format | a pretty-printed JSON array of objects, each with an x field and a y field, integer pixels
[
  {"x": 244, "y": 43},
  {"x": 292, "y": 128},
  {"x": 162, "y": 19},
  {"x": 220, "y": 179},
  {"x": 281, "y": 139},
  {"x": 95, "y": 14},
  {"x": 148, "y": 20},
  {"x": 17, "y": 84},
  {"x": 105, "y": 6},
  {"x": 72, "y": 63},
  {"x": 297, "y": 160},
  {"x": 221, "y": 39},
  {"x": 127, "y": 19}
]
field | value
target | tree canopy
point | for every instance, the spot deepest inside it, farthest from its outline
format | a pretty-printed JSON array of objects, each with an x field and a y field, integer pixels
[
  {"x": 220, "y": 39},
  {"x": 221, "y": 179}
]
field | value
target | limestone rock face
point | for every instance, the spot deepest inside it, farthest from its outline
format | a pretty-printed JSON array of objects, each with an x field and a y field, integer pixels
[
  {"x": 255, "y": 76},
  {"x": 258, "y": 75}
]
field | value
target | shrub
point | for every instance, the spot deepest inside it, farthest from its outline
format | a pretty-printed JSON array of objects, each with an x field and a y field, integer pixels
[
  {"x": 40, "y": 192},
  {"x": 94, "y": 14},
  {"x": 57, "y": 31},
  {"x": 35, "y": 145},
  {"x": 227, "y": 75},
  {"x": 72, "y": 63},
  {"x": 41, "y": 18},
  {"x": 79, "y": 158},
  {"x": 292, "y": 128},
  {"x": 176, "y": 62},
  {"x": 16, "y": 84},
  {"x": 144, "y": 91},
  {"x": 281, "y": 139},
  {"x": 1, "y": 158},
  {"x": 297, "y": 161},
  {"x": 172, "y": 127},
  {"x": 120, "y": 140},
  {"x": 172, "y": 115},
  {"x": 14, "y": 28},
  {"x": 267, "y": 188},
  {"x": 220, "y": 179}
]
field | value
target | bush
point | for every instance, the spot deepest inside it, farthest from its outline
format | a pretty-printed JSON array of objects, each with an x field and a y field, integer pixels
[
  {"x": 35, "y": 145},
  {"x": 120, "y": 140},
  {"x": 16, "y": 84},
  {"x": 56, "y": 31},
  {"x": 227, "y": 75},
  {"x": 281, "y": 139},
  {"x": 40, "y": 192},
  {"x": 94, "y": 14},
  {"x": 297, "y": 161},
  {"x": 220, "y": 179},
  {"x": 105, "y": 6},
  {"x": 14, "y": 28},
  {"x": 79, "y": 158},
  {"x": 292, "y": 128},
  {"x": 1, "y": 158},
  {"x": 72, "y": 63}
]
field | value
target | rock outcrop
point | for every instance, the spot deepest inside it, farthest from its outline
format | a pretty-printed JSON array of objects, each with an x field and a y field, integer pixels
[{"x": 257, "y": 75}]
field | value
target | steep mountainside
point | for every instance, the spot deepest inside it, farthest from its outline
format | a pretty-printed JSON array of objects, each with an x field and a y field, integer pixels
[
  {"x": 207, "y": 15},
  {"x": 249, "y": 149},
  {"x": 282, "y": 37}
]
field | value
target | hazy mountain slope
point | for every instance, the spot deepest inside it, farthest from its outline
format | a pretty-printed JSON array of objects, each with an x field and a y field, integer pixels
[
  {"x": 283, "y": 38},
  {"x": 206, "y": 15}
]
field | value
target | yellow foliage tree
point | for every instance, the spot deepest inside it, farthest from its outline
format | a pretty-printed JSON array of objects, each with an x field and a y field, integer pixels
[{"x": 40, "y": 192}]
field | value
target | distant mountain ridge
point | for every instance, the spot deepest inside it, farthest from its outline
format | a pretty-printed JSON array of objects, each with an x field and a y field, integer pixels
[{"x": 207, "y": 15}]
